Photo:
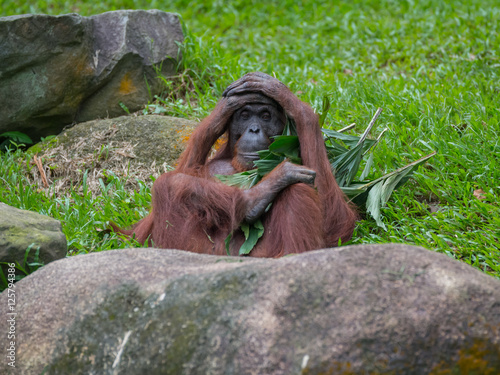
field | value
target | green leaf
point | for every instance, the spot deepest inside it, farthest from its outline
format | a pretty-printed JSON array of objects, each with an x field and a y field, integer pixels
[
  {"x": 334, "y": 149},
  {"x": 368, "y": 166},
  {"x": 346, "y": 165},
  {"x": 267, "y": 162},
  {"x": 124, "y": 107},
  {"x": 324, "y": 110},
  {"x": 243, "y": 180},
  {"x": 373, "y": 204},
  {"x": 17, "y": 137},
  {"x": 48, "y": 138},
  {"x": 413, "y": 165},
  {"x": 380, "y": 190},
  {"x": 245, "y": 228},
  {"x": 349, "y": 140},
  {"x": 290, "y": 127},
  {"x": 353, "y": 191},
  {"x": 286, "y": 145},
  {"x": 27, "y": 252},
  {"x": 253, "y": 232},
  {"x": 3, "y": 280}
]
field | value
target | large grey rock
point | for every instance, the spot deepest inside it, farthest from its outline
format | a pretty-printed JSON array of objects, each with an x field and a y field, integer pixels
[
  {"x": 56, "y": 70},
  {"x": 380, "y": 309},
  {"x": 20, "y": 228}
]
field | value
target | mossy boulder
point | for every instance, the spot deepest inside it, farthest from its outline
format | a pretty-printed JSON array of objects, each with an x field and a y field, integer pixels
[
  {"x": 20, "y": 229},
  {"x": 371, "y": 309},
  {"x": 152, "y": 138},
  {"x": 130, "y": 147}
]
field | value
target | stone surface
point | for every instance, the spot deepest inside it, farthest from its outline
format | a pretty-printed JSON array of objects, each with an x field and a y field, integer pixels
[
  {"x": 153, "y": 138},
  {"x": 19, "y": 229},
  {"x": 56, "y": 70},
  {"x": 130, "y": 147},
  {"x": 373, "y": 309}
]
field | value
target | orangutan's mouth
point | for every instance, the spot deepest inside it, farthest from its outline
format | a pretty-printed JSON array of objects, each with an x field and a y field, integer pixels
[{"x": 250, "y": 155}]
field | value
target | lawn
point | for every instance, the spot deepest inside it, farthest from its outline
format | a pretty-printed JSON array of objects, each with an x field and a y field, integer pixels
[{"x": 433, "y": 66}]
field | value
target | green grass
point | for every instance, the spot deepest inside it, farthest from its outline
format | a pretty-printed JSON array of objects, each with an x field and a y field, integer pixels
[{"x": 433, "y": 66}]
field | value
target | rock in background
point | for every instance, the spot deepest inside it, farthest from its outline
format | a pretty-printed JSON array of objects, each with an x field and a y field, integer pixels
[
  {"x": 371, "y": 309},
  {"x": 19, "y": 229},
  {"x": 57, "y": 70},
  {"x": 135, "y": 147}
]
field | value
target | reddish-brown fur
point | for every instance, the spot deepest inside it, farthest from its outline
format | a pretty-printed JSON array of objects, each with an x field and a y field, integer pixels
[{"x": 193, "y": 211}]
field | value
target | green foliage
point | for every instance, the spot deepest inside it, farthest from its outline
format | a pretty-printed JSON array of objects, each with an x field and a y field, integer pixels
[
  {"x": 23, "y": 269},
  {"x": 14, "y": 139},
  {"x": 433, "y": 65},
  {"x": 124, "y": 107},
  {"x": 252, "y": 234},
  {"x": 375, "y": 194},
  {"x": 243, "y": 180}
]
